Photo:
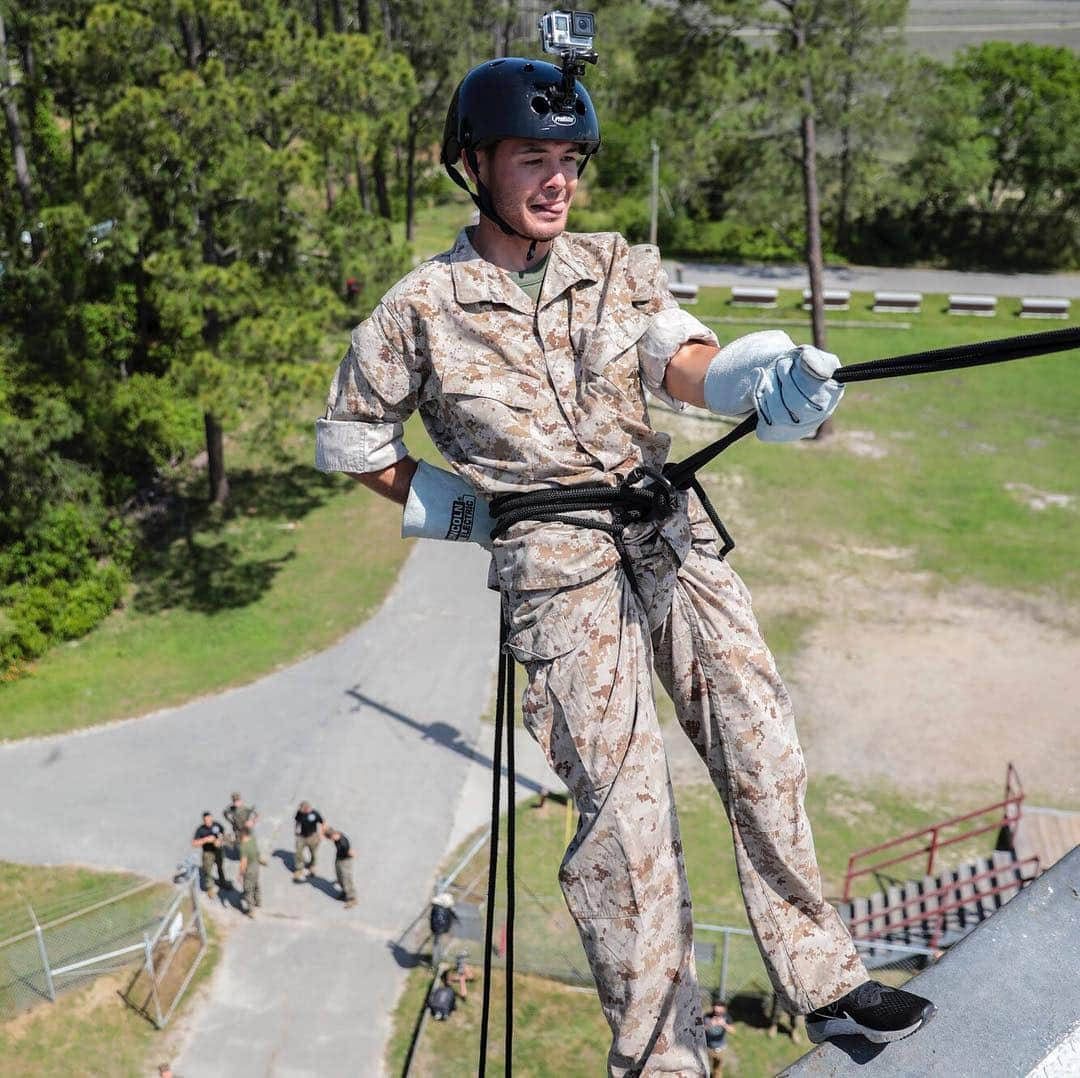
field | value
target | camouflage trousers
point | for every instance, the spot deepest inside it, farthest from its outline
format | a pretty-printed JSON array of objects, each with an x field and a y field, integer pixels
[
  {"x": 309, "y": 843},
  {"x": 212, "y": 857},
  {"x": 343, "y": 871},
  {"x": 252, "y": 896},
  {"x": 590, "y": 651}
]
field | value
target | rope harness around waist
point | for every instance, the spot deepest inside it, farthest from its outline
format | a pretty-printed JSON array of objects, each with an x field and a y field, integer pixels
[{"x": 646, "y": 495}]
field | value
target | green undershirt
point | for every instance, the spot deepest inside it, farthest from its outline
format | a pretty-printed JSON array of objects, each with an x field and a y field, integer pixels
[{"x": 530, "y": 280}]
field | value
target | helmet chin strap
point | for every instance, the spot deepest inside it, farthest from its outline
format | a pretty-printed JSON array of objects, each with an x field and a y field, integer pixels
[{"x": 485, "y": 204}]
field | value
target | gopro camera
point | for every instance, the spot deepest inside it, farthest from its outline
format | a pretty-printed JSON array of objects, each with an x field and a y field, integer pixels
[{"x": 563, "y": 33}]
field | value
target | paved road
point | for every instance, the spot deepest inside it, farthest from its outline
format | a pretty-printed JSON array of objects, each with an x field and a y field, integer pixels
[
  {"x": 393, "y": 753},
  {"x": 878, "y": 278}
]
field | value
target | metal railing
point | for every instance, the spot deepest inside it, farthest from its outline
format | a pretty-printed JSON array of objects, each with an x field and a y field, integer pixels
[
  {"x": 937, "y": 916},
  {"x": 1008, "y": 816},
  {"x": 63, "y": 948}
]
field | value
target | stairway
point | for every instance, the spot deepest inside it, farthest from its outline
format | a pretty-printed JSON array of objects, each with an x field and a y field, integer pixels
[
  {"x": 1046, "y": 833},
  {"x": 963, "y": 891}
]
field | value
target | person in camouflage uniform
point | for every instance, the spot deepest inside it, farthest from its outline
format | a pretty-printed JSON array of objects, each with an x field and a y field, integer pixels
[
  {"x": 530, "y": 373},
  {"x": 249, "y": 870}
]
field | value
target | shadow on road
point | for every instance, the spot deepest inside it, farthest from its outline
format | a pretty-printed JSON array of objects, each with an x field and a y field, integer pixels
[{"x": 440, "y": 732}]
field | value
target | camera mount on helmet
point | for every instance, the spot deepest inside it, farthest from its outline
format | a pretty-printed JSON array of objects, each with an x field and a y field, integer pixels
[{"x": 569, "y": 34}]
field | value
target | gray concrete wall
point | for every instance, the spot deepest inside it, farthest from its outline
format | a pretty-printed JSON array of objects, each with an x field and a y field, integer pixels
[{"x": 1008, "y": 998}]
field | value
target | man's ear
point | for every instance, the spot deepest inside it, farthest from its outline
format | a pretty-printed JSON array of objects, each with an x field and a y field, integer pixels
[{"x": 484, "y": 160}]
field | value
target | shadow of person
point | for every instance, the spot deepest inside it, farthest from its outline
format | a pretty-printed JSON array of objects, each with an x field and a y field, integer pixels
[
  {"x": 326, "y": 886},
  {"x": 405, "y": 958},
  {"x": 287, "y": 858}
]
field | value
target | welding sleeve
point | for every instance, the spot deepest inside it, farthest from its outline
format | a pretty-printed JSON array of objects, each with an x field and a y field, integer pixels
[{"x": 442, "y": 505}]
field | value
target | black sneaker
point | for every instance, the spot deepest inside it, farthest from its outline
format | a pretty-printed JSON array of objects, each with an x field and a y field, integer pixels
[{"x": 879, "y": 1013}]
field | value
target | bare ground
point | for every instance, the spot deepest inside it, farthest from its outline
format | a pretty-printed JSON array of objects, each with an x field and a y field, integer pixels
[{"x": 932, "y": 689}]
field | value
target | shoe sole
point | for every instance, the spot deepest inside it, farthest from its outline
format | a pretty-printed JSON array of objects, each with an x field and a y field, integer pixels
[{"x": 847, "y": 1027}]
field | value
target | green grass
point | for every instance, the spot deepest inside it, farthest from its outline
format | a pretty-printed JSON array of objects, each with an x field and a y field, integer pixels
[
  {"x": 844, "y": 817},
  {"x": 298, "y": 559},
  {"x": 89, "y": 1031},
  {"x": 960, "y": 451}
]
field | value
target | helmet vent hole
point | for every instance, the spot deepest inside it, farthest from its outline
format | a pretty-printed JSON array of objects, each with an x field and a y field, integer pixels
[
  {"x": 540, "y": 105},
  {"x": 580, "y": 106},
  {"x": 528, "y": 67}
]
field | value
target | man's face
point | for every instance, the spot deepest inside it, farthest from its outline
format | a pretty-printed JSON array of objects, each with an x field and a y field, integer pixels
[
  {"x": 208, "y": 819},
  {"x": 532, "y": 184}
]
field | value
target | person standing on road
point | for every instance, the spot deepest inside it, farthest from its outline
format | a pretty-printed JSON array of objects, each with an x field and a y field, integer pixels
[
  {"x": 343, "y": 867},
  {"x": 308, "y": 833},
  {"x": 249, "y": 870},
  {"x": 210, "y": 840},
  {"x": 237, "y": 814},
  {"x": 528, "y": 351}
]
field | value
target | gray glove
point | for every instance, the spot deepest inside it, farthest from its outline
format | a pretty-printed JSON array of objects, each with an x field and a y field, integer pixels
[
  {"x": 442, "y": 505},
  {"x": 796, "y": 394}
]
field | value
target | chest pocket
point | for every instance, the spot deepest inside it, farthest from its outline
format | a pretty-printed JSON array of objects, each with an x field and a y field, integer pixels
[{"x": 491, "y": 403}]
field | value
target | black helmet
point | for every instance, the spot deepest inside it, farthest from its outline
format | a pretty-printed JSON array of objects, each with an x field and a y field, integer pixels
[{"x": 514, "y": 98}]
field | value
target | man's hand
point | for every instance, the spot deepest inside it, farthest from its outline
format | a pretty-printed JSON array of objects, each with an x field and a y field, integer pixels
[{"x": 796, "y": 394}]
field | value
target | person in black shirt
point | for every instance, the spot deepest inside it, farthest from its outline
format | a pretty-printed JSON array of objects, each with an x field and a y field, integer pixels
[
  {"x": 343, "y": 865},
  {"x": 442, "y": 1000},
  {"x": 308, "y": 833},
  {"x": 210, "y": 838}
]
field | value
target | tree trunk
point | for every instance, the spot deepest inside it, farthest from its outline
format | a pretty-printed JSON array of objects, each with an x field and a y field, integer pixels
[
  {"x": 382, "y": 190},
  {"x": 14, "y": 126},
  {"x": 329, "y": 181},
  {"x": 363, "y": 17},
  {"x": 814, "y": 262},
  {"x": 410, "y": 177},
  {"x": 319, "y": 28},
  {"x": 843, "y": 236},
  {"x": 361, "y": 178},
  {"x": 191, "y": 41},
  {"x": 215, "y": 457},
  {"x": 339, "y": 16}
]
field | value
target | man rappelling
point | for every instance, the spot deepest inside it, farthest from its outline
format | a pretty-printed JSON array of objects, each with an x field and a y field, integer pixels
[{"x": 528, "y": 351}]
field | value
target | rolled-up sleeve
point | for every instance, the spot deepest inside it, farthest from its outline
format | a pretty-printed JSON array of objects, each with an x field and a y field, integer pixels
[
  {"x": 373, "y": 392},
  {"x": 671, "y": 326}
]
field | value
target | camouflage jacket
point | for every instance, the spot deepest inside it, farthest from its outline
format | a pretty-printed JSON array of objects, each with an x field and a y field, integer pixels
[{"x": 515, "y": 396}]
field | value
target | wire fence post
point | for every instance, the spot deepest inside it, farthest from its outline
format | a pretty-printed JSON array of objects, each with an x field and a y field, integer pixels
[
  {"x": 723, "y": 967},
  {"x": 50, "y": 987}
]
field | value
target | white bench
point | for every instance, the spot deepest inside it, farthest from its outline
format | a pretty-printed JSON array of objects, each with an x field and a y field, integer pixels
[
  {"x": 684, "y": 293},
  {"x": 836, "y": 299},
  {"x": 748, "y": 296},
  {"x": 1044, "y": 307},
  {"x": 898, "y": 301},
  {"x": 982, "y": 306}
]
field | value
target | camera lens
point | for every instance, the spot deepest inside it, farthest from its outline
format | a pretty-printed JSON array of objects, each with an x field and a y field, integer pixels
[{"x": 584, "y": 24}]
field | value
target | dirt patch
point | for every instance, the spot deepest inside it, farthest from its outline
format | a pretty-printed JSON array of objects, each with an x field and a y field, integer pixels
[
  {"x": 928, "y": 688},
  {"x": 941, "y": 688}
]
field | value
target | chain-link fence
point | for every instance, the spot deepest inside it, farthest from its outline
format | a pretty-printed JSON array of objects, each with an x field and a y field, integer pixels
[
  {"x": 62, "y": 945},
  {"x": 546, "y": 943}
]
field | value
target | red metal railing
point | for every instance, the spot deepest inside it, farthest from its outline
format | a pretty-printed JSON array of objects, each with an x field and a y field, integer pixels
[
  {"x": 937, "y": 915},
  {"x": 1009, "y": 812}
]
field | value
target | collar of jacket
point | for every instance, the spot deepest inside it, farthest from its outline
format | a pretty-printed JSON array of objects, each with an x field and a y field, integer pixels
[{"x": 478, "y": 281}]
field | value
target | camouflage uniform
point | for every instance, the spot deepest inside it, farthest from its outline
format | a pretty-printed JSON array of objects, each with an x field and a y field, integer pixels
[
  {"x": 518, "y": 397},
  {"x": 252, "y": 892}
]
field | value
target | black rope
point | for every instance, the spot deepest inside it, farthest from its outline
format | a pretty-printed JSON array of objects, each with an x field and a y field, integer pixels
[
  {"x": 511, "y": 780},
  {"x": 493, "y": 852},
  {"x": 1024, "y": 346}
]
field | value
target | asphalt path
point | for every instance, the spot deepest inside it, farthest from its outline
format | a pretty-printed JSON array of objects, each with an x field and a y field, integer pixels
[
  {"x": 382, "y": 733},
  {"x": 879, "y": 278}
]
